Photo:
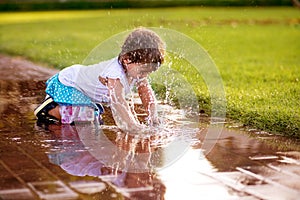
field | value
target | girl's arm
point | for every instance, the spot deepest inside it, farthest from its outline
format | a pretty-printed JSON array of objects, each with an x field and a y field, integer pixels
[
  {"x": 121, "y": 111},
  {"x": 149, "y": 101}
]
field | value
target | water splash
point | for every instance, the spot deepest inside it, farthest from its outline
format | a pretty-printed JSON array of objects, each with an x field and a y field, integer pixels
[{"x": 184, "y": 57}]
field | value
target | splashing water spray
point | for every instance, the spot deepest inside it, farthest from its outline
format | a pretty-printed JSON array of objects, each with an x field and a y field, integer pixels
[{"x": 178, "y": 108}]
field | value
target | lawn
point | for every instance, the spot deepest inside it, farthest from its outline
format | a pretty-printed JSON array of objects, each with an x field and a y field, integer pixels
[{"x": 256, "y": 51}]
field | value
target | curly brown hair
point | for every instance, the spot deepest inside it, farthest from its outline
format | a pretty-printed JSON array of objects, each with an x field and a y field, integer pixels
[{"x": 142, "y": 46}]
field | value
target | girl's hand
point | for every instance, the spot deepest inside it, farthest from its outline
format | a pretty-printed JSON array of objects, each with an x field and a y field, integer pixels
[
  {"x": 122, "y": 114},
  {"x": 149, "y": 102},
  {"x": 153, "y": 121},
  {"x": 142, "y": 129}
]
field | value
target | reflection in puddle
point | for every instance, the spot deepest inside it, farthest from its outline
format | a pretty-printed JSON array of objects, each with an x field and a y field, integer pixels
[
  {"x": 68, "y": 151},
  {"x": 86, "y": 161}
]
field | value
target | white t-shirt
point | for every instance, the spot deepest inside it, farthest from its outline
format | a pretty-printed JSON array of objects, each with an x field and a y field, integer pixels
[{"x": 86, "y": 78}]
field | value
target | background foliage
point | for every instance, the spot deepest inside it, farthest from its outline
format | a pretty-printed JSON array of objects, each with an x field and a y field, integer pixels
[{"x": 23, "y": 5}]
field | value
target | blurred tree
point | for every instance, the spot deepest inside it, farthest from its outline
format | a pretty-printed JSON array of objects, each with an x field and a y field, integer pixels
[{"x": 296, "y": 3}]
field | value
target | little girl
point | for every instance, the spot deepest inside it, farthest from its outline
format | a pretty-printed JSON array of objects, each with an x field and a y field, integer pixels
[{"x": 76, "y": 93}]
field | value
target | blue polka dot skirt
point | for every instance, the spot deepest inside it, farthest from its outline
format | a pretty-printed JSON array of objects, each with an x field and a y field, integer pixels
[{"x": 66, "y": 95}]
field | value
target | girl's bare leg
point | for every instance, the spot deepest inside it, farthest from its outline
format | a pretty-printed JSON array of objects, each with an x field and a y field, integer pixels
[{"x": 55, "y": 113}]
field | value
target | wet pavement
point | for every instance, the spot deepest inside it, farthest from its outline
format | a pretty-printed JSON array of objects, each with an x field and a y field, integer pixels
[{"x": 92, "y": 162}]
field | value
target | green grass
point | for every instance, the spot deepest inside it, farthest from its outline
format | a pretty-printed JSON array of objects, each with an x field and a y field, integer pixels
[{"x": 256, "y": 51}]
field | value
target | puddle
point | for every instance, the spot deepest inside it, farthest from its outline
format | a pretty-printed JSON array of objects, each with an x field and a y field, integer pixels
[{"x": 91, "y": 162}]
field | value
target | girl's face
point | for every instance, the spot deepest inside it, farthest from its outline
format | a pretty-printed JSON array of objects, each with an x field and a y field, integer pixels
[{"x": 139, "y": 71}]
